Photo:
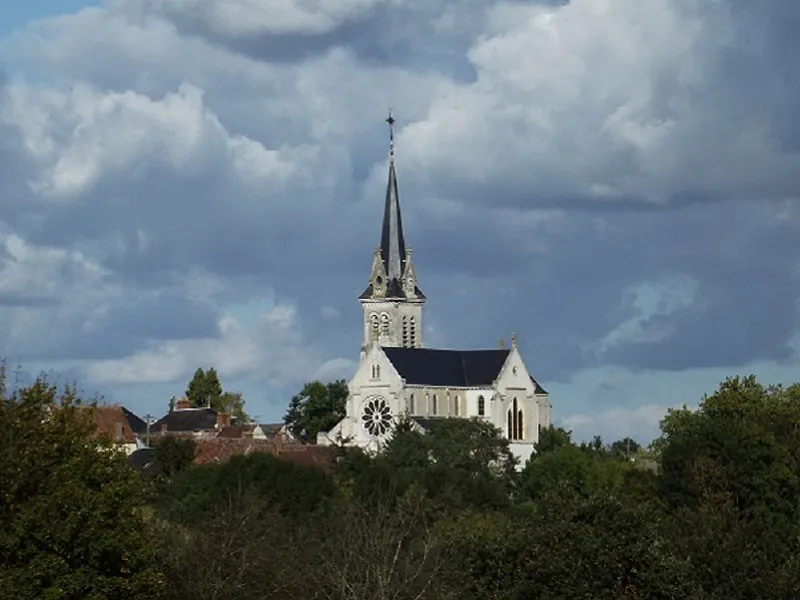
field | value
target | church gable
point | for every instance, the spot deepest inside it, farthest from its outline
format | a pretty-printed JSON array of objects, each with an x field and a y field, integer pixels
[{"x": 447, "y": 368}]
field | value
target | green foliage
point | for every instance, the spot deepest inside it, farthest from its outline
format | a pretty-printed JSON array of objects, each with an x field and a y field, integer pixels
[
  {"x": 740, "y": 445},
  {"x": 318, "y": 407},
  {"x": 174, "y": 454},
  {"x": 551, "y": 438},
  {"x": 583, "y": 473},
  {"x": 204, "y": 389},
  {"x": 70, "y": 525},
  {"x": 200, "y": 492}
]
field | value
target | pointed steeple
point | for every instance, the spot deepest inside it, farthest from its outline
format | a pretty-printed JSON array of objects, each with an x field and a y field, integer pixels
[
  {"x": 396, "y": 277},
  {"x": 393, "y": 245}
]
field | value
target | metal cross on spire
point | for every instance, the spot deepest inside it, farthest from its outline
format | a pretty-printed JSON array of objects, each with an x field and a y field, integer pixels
[{"x": 390, "y": 121}]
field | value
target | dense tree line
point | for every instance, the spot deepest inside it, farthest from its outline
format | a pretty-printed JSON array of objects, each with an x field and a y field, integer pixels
[{"x": 710, "y": 510}]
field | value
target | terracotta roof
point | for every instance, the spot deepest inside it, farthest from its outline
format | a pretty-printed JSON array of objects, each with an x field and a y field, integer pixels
[
  {"x": 236, "y": 431},
  {"x": 221, "y": 449},
  {"x": 112, "y": 423}
]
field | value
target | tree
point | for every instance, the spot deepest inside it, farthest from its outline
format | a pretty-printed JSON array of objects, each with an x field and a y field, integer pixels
[
  {"x": 233, "y": 404},
  {"x": 318, "y": 407},
  {"x": 204, "y": 389},
  {"x": 70, "y": 524},
  {"x": 625, "y": 448},
  {"x": 174, "y": 454}
]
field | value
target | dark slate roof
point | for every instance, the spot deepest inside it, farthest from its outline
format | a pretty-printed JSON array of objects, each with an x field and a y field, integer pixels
[
  {"x": 192, "y": 419},
  {"x": 138, "y": 426},
  {"x": 447, "y": 368},
  {"x": 393, "y": 243},
  {"x": 142, "y": 459},
  {"x": 538, "y": 388}
]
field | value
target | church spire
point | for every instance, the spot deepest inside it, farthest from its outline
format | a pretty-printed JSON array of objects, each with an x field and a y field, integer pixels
[{"x": 393, "y": 246}]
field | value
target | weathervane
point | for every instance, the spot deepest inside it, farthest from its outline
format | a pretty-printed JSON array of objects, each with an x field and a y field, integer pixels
[{"x": 390, "y": 121}]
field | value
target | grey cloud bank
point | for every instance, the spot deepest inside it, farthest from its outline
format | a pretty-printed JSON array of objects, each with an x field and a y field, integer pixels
[{"x": 615, "y": 181}]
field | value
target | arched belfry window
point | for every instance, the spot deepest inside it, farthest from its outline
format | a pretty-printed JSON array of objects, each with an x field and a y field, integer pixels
[
  {"x": 481, "y": 406},
  {"x": 406, "y": 335},
  {"x": 385, "y": 324},
  {"x": 514, "y": 421}
]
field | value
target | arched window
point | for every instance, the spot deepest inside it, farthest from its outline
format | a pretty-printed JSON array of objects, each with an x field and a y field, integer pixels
[
  {"x": 515, "y": 421},
  {"x": 376, "y": 371},
  {"x": 481, "y": 406},
  {"x": 385, "y": 324},
  {"x": 435, "y": 405},
  {"x": 455, "y": 406},
  {"x": 411, "y": 404}
]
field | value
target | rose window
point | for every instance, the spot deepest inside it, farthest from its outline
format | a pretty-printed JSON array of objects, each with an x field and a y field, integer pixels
[{"x": 377, "y": 417}]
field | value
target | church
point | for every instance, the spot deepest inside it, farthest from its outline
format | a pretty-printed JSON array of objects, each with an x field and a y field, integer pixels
[{"x": 398, "y": 377}]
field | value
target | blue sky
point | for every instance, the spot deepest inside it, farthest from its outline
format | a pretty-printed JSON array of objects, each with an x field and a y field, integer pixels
[
  {"x": 15, "y": 15},
  {"x": 194, "y": 183}
]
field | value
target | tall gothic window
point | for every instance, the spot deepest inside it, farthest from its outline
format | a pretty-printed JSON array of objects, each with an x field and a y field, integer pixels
[
  {"x": 435, "y": 405},
  {"x": 481, "y": 406},
  {"x": 514, "y": 419},
  {"x": 385, "y": 324},
  {"x": 374, "y": 323},
  {"x": 376, "y": 371},
  {"x": 411, "y": 404},
  {"x": 455, "y": 406}
]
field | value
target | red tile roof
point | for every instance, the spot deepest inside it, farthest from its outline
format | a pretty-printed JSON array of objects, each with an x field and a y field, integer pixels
[
  {"x": 221, "y": 449},
  {"x": 112, "y": 423}
]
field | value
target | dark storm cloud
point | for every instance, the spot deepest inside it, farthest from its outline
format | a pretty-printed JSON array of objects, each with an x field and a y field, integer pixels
[
  {"x": 562, "y": 285},
  {"x": 412, "y": 35}
]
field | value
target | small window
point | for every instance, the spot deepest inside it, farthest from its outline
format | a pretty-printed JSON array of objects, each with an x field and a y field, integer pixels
[
  {"x": 481, "y": 406},
  {"x": 455, "y": 406},
  {"x": 376, "y": 371},
  {"x": 435, "y": 405},
  {"x": 385, "y": 324},
  {"x": 514, "y": 370}
]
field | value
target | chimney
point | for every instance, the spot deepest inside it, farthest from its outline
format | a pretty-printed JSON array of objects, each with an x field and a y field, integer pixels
[
  {"x": 223, "y": 420},
  {"x": 183, "y": 404}
]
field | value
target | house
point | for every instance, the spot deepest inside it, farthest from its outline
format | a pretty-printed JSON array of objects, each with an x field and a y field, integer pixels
[
  {"x": 187, "y": 420},
  {"x": 112, "y": 423}
]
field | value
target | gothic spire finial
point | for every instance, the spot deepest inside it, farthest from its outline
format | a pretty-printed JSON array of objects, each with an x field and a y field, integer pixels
[{"x": 390, "y": 121}]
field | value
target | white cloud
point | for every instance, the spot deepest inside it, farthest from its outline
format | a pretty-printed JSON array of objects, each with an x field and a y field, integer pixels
[
  {"x": 80, "y": 135},
  {"x": 599, "y": 100},
  {"x": 274, "y": 351},
  {"x": 651, "y": 300}
]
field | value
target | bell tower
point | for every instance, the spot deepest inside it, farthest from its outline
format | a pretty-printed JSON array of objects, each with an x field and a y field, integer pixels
[{"x": 392, "y": 302}]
